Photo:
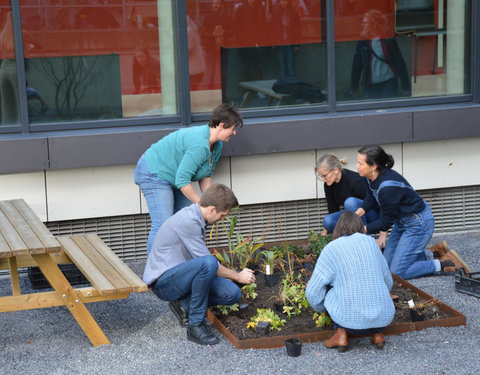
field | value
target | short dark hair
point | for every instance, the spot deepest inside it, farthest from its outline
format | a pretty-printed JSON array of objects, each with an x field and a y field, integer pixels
[
  {"x": 376, "y": 155},
  {"x": 348, "y": 223},
  {"x": 227, "y": 114},
  {"x": 219, "y": 196}
]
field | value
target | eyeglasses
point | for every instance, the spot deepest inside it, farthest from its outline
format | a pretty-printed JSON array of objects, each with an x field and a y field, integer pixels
[{"x": 322, "y": 176}]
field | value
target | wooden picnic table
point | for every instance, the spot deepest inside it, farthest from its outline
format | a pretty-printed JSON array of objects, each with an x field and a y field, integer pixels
[{"x": 25, "y": 241}]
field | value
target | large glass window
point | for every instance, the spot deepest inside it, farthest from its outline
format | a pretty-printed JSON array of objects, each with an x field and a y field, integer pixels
[
  {"x": 9, "y": 108},
  {"x": 401, "y": 48},
  {"x": 91, "y": 59},
  {"x": 256, "y": 53}
]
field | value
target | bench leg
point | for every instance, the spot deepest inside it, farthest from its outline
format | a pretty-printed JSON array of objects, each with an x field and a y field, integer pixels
[
  {"x": 71, "y": 300},
  {"x": 12, "y": 266}
]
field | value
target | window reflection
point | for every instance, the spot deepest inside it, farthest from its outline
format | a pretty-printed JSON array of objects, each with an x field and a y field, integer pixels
[
  {"x": 100, "y": 58},
  {"x": 9, "y": 109},
  {"x": 401, "y": 49},
  {"x": 259, "y": 53}
]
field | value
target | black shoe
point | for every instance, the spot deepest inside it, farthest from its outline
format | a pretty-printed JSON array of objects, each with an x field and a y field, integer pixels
[
  {"x": 180, "y": 313},
  {"x": 201, "y": 335}
]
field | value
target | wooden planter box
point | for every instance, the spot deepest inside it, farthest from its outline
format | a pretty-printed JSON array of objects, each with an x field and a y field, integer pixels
[{"x": 455, "y": 319}]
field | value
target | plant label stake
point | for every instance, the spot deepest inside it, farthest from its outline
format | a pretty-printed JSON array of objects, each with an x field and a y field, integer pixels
[{"x": 267, "y": 269}]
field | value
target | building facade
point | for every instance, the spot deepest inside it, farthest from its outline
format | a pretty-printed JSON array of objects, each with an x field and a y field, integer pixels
[{"x": 87, "y": 86}]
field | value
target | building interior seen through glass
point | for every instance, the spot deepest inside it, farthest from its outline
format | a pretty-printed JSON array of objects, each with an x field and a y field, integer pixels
[
  {"x": 257, "y": 53},
  {"x": 91, "y": 59},
  {"x": 9, "y": 108},
  {"x": 401, "y": 48}
]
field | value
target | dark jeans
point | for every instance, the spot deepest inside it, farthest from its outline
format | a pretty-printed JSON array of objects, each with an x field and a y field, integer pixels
[{"x": 196, "y": 285}]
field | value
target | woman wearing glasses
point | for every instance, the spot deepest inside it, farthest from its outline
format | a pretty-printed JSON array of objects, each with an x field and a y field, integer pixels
[{"x": 343, "y": 188}]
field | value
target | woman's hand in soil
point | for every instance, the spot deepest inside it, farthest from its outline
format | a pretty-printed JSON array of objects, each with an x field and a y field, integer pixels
[{"x": 246, "y": 276}]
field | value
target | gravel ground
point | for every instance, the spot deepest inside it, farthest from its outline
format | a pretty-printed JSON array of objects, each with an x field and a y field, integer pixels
[{"x": 146, "y": 339}]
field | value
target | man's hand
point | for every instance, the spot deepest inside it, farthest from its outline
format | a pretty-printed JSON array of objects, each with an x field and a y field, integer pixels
[
  {"x": 246, "y": 276},
  {"x": 382, "y": 240}
]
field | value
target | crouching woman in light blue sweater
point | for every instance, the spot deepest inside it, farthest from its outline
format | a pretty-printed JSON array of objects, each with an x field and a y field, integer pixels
[{"x": 352, "y": 282}]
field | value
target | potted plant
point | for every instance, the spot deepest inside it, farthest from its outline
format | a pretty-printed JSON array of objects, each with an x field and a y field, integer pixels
[{"x": 269, "y": 261}]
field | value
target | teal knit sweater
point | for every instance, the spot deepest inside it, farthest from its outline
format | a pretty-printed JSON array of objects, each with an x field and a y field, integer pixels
[
  {"x": 183, "y": 156},
  {"x": 360, "y": 282}
]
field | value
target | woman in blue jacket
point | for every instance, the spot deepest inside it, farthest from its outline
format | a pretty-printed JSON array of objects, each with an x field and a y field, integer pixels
[
  {"x": 165, "y": 171},
  {"x": 401, "y": 207}
]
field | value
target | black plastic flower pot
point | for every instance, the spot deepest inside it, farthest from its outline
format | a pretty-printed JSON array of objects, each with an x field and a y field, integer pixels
[
  {"x": 263, "y": 327},
  {"x": 271, "y": 280},
  {"x": 278, "y": 307},
  {"x": 294, "y": 347},
  {"x": 417, "y": 316}
]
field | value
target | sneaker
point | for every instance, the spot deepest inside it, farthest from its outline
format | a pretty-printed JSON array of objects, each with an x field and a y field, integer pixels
[
  {"x": 180, "y": 313},
  {"x": 201, "y": 335},
  {"x": 452, "y": 260},
  {"x": 439, "y": 249}
]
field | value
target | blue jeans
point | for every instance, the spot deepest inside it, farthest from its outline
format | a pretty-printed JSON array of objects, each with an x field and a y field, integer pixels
[
  {"x": 163, "y": 200},
  {"x": 196, "y": 285},
  {"x": 405, "y": 249},
  {"x": 351, "y": 204}
]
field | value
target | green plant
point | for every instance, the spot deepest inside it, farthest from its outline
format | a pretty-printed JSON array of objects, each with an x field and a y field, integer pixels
[
  {"x": 226, "y": 309},
  {"x": 249, "y": 291},
  {"x": 269, "y": 259},
  {"x": 283, "y": 248},
  {"x": 322, "y": 320},
  {"x": 292, "y": 295},
  {"x": 246, "y": 250},
  {"x": 225, "y": 257},
  {"x": 266, "y": 315},
  {"x": 317, "y": 241}
]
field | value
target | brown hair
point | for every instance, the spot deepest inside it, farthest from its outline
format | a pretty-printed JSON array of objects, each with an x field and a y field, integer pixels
[
  {"x": 219, "y": 196},
  {"x": 348, "y": 223},
  {"x": 226, "y": 114}
]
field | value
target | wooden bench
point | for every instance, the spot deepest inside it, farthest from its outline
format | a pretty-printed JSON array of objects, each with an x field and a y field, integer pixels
[
  {"x": 25, "y": 242},
  {"x": 101, "y": 266}
]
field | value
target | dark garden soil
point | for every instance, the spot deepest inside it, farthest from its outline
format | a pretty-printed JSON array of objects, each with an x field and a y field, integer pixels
[{"x": 236, "y": 321}]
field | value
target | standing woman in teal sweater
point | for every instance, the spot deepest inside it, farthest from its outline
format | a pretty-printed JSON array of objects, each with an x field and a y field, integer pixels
[{"x": 165, "y": 171}]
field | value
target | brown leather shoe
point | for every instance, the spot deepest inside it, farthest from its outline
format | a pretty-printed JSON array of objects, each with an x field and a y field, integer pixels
[
  {"x": 452, "y": 260},
  {"x": 378, "y": 339},
  {"x": 339, "y": 340},
  {"x": 439, "y": 249}
]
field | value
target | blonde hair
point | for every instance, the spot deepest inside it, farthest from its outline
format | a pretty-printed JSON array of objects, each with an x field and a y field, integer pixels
[{"x": 330, "y": 162}]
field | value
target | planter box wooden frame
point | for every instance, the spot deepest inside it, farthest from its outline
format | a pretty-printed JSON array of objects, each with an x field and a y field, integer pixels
[{"x": 455, "y": 319}]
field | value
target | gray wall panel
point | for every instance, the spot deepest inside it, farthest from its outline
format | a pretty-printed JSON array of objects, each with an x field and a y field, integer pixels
[
  {"x": 101, "y": 149},
  {"x": 23, "y": 155},
  {"x": 446, "y": 123},
  {"x": 308, "y": 134}
]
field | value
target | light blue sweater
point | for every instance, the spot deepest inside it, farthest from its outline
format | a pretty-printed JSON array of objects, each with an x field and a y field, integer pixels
[
  {"x": 183, "y": 156},
  {"x": 361, "y": 281}
]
